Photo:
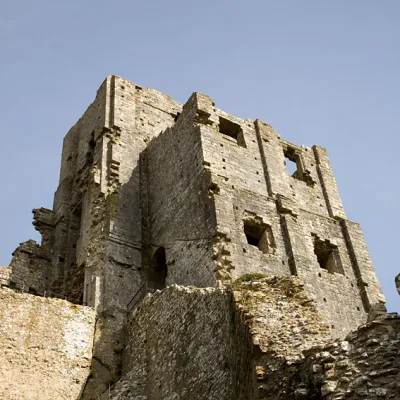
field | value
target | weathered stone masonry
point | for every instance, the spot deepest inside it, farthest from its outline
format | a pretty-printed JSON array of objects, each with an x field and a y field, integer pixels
[
  {"x": 257, "y": 218},
  {"x": 260, "y": 339},
  {"x": 45, "y": 347},
  {"x": 154, "y": 193}
]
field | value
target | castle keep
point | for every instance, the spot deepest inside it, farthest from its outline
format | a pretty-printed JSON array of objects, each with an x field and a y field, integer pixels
[{"x": 199, "y": 204}]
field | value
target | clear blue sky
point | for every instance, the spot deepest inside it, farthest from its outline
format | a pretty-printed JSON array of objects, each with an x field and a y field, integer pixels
[{"x": 321, "y": 72}]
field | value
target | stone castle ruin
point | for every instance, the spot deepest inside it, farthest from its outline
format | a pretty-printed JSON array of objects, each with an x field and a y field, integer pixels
[{"x": 182, "y": 260}]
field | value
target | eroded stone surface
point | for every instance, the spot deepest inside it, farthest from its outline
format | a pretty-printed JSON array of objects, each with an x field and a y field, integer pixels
[
  {"x": 179, "y": 345},
  {"x": 263, "y": 339},
  {"x": 5, "y": 275},
  {"x": 282, "y": 319},
  {"x": 366, "y": 365},
  {"x": 193, "y": 343},
  {"x": 45, "y": 347}
]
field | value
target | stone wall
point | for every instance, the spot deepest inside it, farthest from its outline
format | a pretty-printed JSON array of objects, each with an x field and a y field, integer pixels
[
  {"x": 365, "y": 365},
  {"x": 192, "y": 343},
  {"x": 282, "y": 323},
  {"x": 45, "y": 347},
  {"x": 180, "y": 210},
  {"x": 5, "y": 276},
  {"x": 30, "y": 268},
  {"x": 272, "y": 220},
  {"x": 297, "y": 358},
  {"x": 262, "y": 339},
  {"x": 179, "y": 347},
  {"x": 110, "y": 252}
]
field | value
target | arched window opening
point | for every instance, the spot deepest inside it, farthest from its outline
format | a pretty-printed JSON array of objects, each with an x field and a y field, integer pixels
[{"x": 159, "y": 269}]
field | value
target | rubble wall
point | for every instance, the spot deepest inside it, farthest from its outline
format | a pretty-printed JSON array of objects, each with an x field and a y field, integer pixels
[
  {"x": 192, "y": 343},
  {"x": 45, "y": 347},
  {"x": 363, "y": 366},
  {"x": 30, "y": 267},
  {"x": 282, "y": 323},
  {"x": 262, "y": 339}
]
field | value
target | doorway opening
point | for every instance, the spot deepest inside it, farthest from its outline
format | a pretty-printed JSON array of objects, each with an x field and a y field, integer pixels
[{"x": 159, "y": 269}]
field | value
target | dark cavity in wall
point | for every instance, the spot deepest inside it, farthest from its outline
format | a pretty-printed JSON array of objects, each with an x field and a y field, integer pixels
[
  {"x": 327, "y": 255},
  {"x": 294, "y": 165},
  {"x": 90, "y": 150},
  {"x": 259, "y": 235},
  {"x": 159, "y": 269},
  {"x": 232, "y": 130}
]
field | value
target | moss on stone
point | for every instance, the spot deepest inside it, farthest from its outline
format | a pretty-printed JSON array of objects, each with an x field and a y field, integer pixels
[{"x": 249, "y": 278}]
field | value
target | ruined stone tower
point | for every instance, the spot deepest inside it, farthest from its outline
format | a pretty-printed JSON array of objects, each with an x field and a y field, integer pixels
[{"x": 153, "y": 193}]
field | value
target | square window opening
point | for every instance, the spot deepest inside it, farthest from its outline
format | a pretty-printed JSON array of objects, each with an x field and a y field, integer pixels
[
  {"x": 327, "y": 255},
  {"x": 232, "y": 130},
  {"x": 259, "y": 235}
]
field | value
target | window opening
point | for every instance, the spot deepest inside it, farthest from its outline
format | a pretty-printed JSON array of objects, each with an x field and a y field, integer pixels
[
  {"x": 295, "y": 167},
  {"x": 327, "y": 255},
  {"x": 291, "y": 162},
  {"x": 259, "y": 235},
  {"x": 232, "y": 130},
  {"x": 32, "y": 291}
]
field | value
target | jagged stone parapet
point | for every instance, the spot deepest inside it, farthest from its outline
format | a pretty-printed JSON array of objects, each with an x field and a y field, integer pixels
[
  {"x": 282, "y": 319},
  {"x": 30, "y": 268},
  {"x": 45, "y": 347}
]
